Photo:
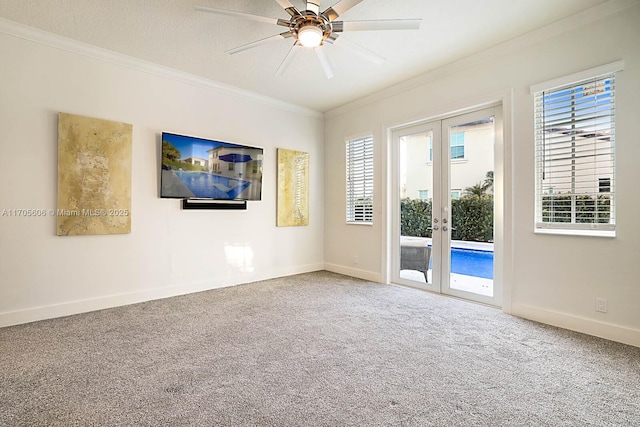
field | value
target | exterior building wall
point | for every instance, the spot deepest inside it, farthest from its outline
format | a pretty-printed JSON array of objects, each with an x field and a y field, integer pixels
[
  {"x": 241, "y": 170},
  {"x": 586, "y": 179},
  {"x": 196, "y": 161},
  {"x": 467, "y": 172}
]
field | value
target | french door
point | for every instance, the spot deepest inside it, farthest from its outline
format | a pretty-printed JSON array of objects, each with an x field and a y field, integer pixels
[{"x": 444, "y": 196}]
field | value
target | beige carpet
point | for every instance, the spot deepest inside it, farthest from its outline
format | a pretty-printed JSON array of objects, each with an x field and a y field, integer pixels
[{"x": 316, "y": 349}]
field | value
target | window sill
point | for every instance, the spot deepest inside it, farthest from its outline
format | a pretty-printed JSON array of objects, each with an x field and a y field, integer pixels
[
  {"x": 454, "y": 161},
  {"x": 565, "y": 232},
  {"x": 359, "y": 223}
]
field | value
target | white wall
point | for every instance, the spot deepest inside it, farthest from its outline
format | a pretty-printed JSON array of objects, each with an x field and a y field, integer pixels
[
  {"x": 553, "y": 279},
  {"x": 169, "y": 251}
]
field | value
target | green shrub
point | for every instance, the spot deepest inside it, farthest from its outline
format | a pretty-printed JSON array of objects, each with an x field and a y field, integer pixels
[
  {"x": 472, "y": 218},
  {"x": 472, "y": 214},
  {"x": 557, "y": 208},
  {"x": 415, "y": 217}
]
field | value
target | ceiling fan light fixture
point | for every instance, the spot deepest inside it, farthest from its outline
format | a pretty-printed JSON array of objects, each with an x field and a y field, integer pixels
[{"x": 310, "y": 36}]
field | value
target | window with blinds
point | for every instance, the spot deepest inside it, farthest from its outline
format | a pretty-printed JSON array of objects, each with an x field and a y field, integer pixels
[
  {"x": 359, "y": 153},
  {"x": 457, "y": 146},
  {"x": 575, "y": 156}
]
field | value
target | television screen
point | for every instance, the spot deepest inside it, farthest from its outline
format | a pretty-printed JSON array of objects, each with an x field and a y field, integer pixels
[{"x": 196, "y": 168}]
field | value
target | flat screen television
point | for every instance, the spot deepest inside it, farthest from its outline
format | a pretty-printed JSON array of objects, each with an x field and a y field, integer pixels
[{"x": 204, "y": 169}]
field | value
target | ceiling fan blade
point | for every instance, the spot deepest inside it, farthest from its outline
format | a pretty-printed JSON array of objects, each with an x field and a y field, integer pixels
[
  {"x": 380, "y": 24},
  {"x": 287, "y": 59},
  {"x": 285, "y": 4},
  {"x": 288, "y": 7},
  {"x": 314, "y": 6},
  {"x": 238, "y": 14},
  {"x": 339, "y": 8},
  {"x": 259, "y": 42},
  {"x": 357, "y": 49},
  {"x": 324, "y": 61}
]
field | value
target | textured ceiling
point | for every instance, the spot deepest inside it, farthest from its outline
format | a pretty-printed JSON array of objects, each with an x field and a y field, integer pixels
[{"x": 171, "y": 33}]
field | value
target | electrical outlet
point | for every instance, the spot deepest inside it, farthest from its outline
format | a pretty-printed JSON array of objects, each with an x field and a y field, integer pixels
[{"x": 601, "y": 305}]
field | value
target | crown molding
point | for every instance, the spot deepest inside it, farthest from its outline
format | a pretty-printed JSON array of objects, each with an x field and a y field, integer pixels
[
  {"x": 574, "y": 22},
  {"x": 34, "y": 35}
]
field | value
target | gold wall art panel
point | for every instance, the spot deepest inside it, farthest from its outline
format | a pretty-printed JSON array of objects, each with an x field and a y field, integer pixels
[
  {"x": 94, "y": 176},
  {"x": 293, "y": 188}
]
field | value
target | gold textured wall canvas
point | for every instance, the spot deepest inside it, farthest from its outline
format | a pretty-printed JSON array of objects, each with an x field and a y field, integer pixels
[
  {"x": 94, "y": 176},
  {"x": 293, "y": 188}
]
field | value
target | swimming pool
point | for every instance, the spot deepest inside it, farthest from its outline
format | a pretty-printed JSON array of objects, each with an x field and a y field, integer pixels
[
  {"x": 472, "y": 262},
  {"x": 207, "y": 185}
]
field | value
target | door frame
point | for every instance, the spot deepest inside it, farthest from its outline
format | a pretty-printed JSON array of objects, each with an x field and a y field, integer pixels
[
  {"x": 432, "y": 125},
  {"x": 503, "y": 189},
  {"x": 445, "y": 170}
]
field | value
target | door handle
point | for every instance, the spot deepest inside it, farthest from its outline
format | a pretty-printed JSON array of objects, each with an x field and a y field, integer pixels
[
  {"x": 435, "y": 228},
  {"x": 444, "y": 228}
]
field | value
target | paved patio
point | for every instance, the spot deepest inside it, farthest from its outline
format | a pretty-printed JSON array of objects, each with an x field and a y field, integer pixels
[{"x": 461, "y": 282}]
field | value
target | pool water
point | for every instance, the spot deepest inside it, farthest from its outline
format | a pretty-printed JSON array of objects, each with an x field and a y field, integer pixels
[
  {"x": 207, "y": 185},
  {"x": 472, "y": 262}
]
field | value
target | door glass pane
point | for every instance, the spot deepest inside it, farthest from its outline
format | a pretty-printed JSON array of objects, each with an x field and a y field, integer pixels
[
  {"x": 416, "y": 201},
  {"x": 471, "y": 206}
]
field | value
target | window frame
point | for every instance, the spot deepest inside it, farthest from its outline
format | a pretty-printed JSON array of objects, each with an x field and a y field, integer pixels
[
  {"x": 574, "y": 82},
  {"x": 461, "y": 136},
  {"x": 359, "y": 180},
  {"x": 457, "y": 159}
]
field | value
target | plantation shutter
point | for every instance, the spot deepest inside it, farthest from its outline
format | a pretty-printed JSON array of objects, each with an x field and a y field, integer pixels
[
  {"x": 359, "y": 154},
  {"x": 575, "y": 155}
]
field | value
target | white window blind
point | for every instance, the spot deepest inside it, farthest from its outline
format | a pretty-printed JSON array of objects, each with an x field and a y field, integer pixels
[
  {"x": 575, "y": 155},
  {"x": 360, "y": 180}
]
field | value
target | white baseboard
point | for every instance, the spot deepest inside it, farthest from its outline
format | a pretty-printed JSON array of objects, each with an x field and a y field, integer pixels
[
  {"x": 579, "y": 324},
  {"x": 354, "y": 272},
  {"x": 109, "y": 301},
  {"x": 588, "y": 326},
  {"x": 290, "y": 271}
]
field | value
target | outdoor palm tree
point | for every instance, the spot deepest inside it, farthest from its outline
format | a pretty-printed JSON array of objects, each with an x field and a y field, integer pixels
[
  {"x": 477, "y": 190},
  {"x": 481, "y": 188},
  {"x": 488, "y": 181}
]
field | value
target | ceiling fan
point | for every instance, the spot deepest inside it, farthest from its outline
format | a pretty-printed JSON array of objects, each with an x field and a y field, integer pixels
[{"x": 311, "y": 29}]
